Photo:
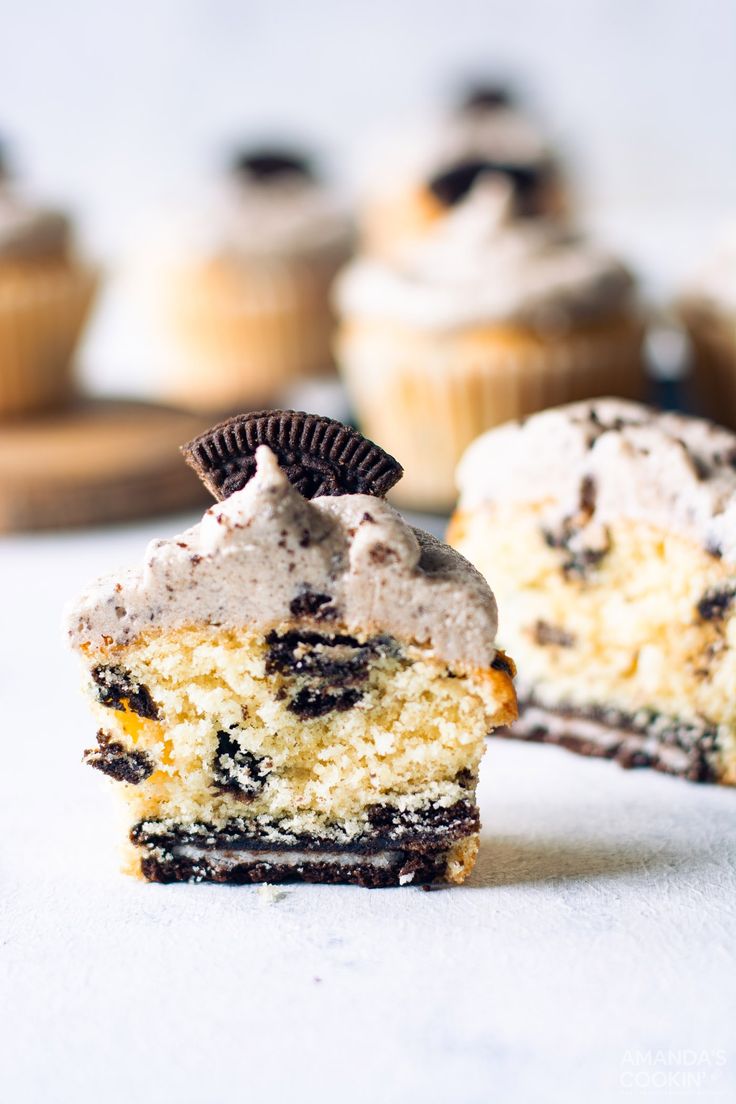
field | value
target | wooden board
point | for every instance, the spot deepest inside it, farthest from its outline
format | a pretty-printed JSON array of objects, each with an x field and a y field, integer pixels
[{"x": 98, "y": 461}]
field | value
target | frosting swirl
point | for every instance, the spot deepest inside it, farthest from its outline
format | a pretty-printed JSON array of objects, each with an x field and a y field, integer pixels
[
  {"x": 254, "y": 557},
  {"x": 416, "y": 155},
  {"x": 478, "y": 264},
  {"x": 287, "y": 215},
  {"x": 27, "y": 232},
  {"x": 669, "y": 470}
]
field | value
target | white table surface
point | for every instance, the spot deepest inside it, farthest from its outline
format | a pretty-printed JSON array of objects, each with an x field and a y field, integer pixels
[{"x": 590, "y": 957}]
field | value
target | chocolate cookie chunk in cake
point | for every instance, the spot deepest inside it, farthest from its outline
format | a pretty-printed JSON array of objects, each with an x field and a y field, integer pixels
[
  {"x": 609, "y": 530},
  {"x": 296, "y": 688}
]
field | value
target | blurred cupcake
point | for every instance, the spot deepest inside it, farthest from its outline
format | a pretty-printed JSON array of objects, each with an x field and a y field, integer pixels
[
  {"x": 413, "y": 181},
  {"x": 250, "y": 313},
  {"x": 45, "y": 295},
  {"x": 708, "y": 311},
  {"x": 490, "y": 318}
]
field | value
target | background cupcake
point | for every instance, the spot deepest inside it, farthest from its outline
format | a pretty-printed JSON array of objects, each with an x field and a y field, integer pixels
[
  {"x": 45, "y": 296},
  {"x": 250, "y": 313},
  {"x": 413, "y": 174},
  {"x": 490, "y": 318},
  {"x": 708, "y": 311}
]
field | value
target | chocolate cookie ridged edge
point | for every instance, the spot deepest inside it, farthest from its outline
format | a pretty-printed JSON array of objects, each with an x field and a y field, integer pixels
[{"x": 320, "y": 456}]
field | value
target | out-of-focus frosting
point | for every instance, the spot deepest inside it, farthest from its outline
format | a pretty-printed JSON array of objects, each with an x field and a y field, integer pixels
[
  {"x": 625, "y": 459},
  {"x": 415, "y": 154},
  {"x": 261, "y": 550},
  {"x": 714, "y": 284},
  {"x": 28, "y": 232},
  {"x": 479, "y": 264},
  {"x": 289, "y": 215}
]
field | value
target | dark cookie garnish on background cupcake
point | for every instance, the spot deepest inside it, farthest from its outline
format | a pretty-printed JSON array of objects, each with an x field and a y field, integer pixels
[
  {"x": 319, "y": 455},
  {"x": 487, "y": 97},
  {"x": 266, "y": 164},
  {"x": 452, "y": 185}
]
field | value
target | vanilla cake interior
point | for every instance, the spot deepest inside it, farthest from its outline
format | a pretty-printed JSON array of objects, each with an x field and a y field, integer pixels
[
  {"x": 295, "y": 690},
  {"x": 606, "y": 528},
  {"x": 247, "y": 756}
]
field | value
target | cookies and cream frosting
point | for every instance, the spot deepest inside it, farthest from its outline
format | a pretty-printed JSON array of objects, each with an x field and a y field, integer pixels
[
  {"x": 266, "y": 553},
  {"x": 623, "y": 459},
  {"x": 479, "y": 264},
  {"x": 290, "y": 215},
  {"x": 28, "y": 232},
  {"x": 411, "y": 157}
]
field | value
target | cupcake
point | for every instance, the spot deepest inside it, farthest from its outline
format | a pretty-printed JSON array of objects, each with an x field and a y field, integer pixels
[
  {"x": 491, "y": 317},
  {"x": 45, "y": 296},
  {"x": 609, "y": 530},
  {"x": 708, "y": 311},
  {"x": 298, "y": 688},
  {"x": 250, "y": 313},
  {"x": 412, "y": 181}
]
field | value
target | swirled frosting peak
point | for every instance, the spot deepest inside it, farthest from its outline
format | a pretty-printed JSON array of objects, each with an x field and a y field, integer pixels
[
  {"x": 479, "y": 264},
  {"x": 265, "y": 555}
]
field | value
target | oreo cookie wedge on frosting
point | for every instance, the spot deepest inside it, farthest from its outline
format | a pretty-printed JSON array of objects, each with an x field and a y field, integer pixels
[{"x": 298, "y": 687}]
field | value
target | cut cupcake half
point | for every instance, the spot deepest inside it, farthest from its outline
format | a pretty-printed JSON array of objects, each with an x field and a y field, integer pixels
[
  {"x": 295, "y": 688},
  {"x": 609, "y": 530}
]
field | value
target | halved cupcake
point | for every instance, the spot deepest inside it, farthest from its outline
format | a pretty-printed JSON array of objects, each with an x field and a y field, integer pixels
[
  {"x": 609, "y": 530},
  {"x": 299, "y": 687}
]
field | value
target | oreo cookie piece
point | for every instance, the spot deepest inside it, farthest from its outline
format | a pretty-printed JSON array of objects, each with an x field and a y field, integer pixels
[
  {"x": 452, "y": 185},
  {"x": 319, "y": 455},
  {"x": 487, "y": 97},
  {"x": 118, "y": 762},
  {"x": 236, "y": 770},
  {"x": 264, "y": 164},
  {"x": 117, "y": 689},
  {"x": 715, "y": 603}
]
